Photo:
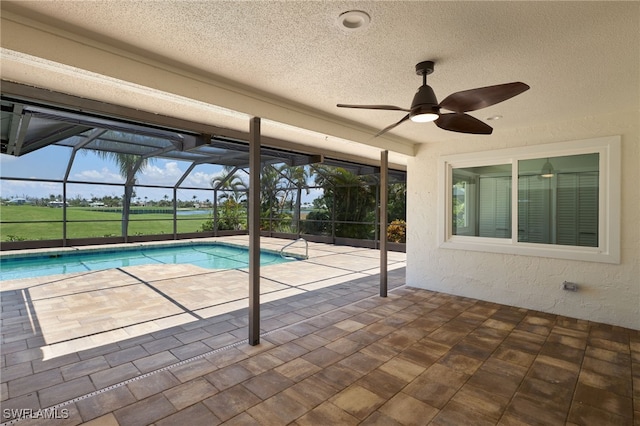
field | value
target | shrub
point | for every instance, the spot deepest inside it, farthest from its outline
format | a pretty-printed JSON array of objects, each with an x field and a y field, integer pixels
[{"x": 396, "y": 231}]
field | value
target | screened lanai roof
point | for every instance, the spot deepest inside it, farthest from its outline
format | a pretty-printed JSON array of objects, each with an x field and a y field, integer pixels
[{"x": 27, "y": 127}]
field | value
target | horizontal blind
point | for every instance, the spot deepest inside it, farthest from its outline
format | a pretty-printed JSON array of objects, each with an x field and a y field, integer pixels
[
  {"x": 577, "y": 213},
  {"x": 533, "y": 209},
  {"x": 495, "y": 207},
  {"x": 588, "y": 209}
]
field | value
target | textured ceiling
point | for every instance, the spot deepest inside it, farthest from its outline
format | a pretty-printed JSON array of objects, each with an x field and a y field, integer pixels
[{"x": 580, "y": 58}]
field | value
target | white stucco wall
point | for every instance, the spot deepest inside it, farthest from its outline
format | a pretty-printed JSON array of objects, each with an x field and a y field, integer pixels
[{"x": 609, "y": 293}]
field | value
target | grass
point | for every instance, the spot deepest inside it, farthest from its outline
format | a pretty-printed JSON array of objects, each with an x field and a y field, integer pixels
[{"x": 85, "y": 222}]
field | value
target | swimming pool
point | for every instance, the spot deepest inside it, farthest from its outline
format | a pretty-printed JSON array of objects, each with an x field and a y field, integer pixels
[{"x": 206, "y": 255}]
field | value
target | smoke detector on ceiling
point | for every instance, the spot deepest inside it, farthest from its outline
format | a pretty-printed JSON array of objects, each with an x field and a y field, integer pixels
[{"x": 354, "y": 20}]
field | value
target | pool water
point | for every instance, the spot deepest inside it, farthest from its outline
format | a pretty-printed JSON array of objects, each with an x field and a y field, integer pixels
[{"x": 210, "y": 256}]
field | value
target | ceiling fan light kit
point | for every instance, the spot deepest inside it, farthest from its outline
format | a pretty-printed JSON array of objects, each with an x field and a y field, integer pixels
[
  {"x": 421, "y": 116},
  {"x": 425, "y": 106}
]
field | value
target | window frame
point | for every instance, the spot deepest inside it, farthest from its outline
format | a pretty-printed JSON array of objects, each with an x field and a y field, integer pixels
[{"x": 609, "y": 193}]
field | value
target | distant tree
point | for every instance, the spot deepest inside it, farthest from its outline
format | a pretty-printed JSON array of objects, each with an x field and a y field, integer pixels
[
  {"x": 397, "y": 205},
  {"x": 278, "y": 184},
  {"x": 350, "y": 197},
  {"x": 232, "y": 202}
]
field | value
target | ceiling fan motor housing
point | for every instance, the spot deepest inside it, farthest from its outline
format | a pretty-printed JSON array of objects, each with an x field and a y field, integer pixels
[{"x": 424, "y": 102}]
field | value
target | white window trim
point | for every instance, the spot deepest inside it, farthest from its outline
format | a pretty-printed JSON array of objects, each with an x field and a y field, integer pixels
[{"x": 608, "y": 250}]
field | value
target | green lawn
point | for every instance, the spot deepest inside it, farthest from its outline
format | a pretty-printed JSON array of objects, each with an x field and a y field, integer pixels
[{"x": 91, "y": 223}]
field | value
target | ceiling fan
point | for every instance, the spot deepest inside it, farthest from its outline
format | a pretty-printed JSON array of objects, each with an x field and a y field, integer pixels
[{"x": 425, "y": 106}]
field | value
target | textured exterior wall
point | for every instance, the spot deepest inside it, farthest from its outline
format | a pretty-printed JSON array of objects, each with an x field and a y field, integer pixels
[{"x": 608, "y": 293}]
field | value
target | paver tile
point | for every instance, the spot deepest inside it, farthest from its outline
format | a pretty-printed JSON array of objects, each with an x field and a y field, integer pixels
[
  {"x": 357, "y": 401},
  {"x": 152, "y": 384},
  {"x": 327, "y": 414},
  {"x": 84, "y": 368},
  {"x": 145, "y": 412},
  {"x": 267, "y": 384},
  {"x": 105, "y": 402},
  {"x": 297, "y": 369},
  {"x": 340, "y": 355},
  {"x": 65, "y": 391},
  {"x": 278, "y": 409},
  {"x": 156, "y": 361},
  {"x": 114, "y": 375},
  {"x": 189, "y": 393},
  {"x": 34, "y": 382},
  {"x": 125, "y": 355},
  {"x": 195, "y": 415},
  {"x": 231, "y": 402},
  {"x": 408, "y": 410}
]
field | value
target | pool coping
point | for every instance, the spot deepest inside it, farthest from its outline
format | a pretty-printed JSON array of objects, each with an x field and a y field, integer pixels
[{"x": 69, "y": 251}]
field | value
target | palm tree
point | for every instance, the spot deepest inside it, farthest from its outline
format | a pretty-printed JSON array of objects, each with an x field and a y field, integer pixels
[
  {"x": 297, "y": 179},
  {"x": 350, "y": 198},
  {"x": 281, "y": 189},
  {"x": 129, "y": 166},
  {"x": 235, "y": 188},
  {"x": 235, "y": 191}
]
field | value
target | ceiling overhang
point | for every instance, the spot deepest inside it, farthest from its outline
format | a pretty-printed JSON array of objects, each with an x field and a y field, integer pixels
[
  {"x": 37, "y": 54},
  {"x": 222, "y": 63}
]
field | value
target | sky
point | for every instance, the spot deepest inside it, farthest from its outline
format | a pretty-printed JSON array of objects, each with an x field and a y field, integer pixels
[{"x": 51, "y": 163}]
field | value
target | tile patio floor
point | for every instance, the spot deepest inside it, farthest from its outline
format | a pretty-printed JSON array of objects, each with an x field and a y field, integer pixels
[{"x": 144, "y": 345}]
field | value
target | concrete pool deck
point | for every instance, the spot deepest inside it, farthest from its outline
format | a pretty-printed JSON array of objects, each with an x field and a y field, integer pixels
[{"x": 61, "y": 314}]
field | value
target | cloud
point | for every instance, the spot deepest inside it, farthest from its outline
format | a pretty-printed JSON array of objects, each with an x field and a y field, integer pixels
[
  {"x": 102, "y": 175},
  {"x": 167, "y": 174},
  {"x": 7, "y": 159},
  {"x": 18, "y": 188},
  {"x": 200, "y": 179},
  {"x": 170, "y": 172}
]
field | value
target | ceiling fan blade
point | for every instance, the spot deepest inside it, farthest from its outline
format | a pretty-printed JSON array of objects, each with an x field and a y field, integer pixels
[
  {"x": 385, "y": 107},
  {"x": 463, "y": 123},
  {"x": 386, "y": 129},
  {"x": 474, "y": 99}
]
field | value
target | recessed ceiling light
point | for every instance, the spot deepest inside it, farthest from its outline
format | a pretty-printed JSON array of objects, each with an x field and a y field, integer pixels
[
  {"x": 353, "y": 20},
  {"x": 494, "y": 117}
]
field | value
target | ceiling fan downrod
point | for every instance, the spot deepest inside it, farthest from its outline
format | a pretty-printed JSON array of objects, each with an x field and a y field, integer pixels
[{"x": 424, "y": 68}]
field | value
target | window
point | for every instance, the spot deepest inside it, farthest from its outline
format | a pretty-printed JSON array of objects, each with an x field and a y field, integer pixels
[
  {"x": 556, "y": 200},
  {"x": 481, "y": 201}
]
